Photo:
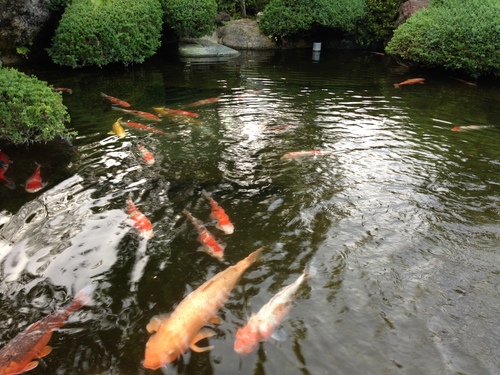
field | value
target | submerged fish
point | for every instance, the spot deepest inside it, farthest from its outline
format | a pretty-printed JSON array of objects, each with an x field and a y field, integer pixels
[
  {"x": 209, "y": 243},
  {"x": 116, "y": 101},
  {"x": 471, "y": 127},
  {"x": 174, "y": 334},
  {"x": 140, "y": 221},
  {"x": 138, "y": 125},
  {"x": 162, "y": 111},
  {"x": 56, "y": 89},
  {"x": 19, "y": 354},
  {"x": 410, "y": 81},
  {"x": 147, "y": 156},
  {"x": 299, "y": 154},
  {"x": 142, "y": 114},
  {"x": 35, "y": 183},
  {"x": 218, "y": 214},
  {"x": 203, "y": 102},
  {"x": 262, "y": 325},
  {"x": 117, "y": 129},
  {"x": 4, "y": 165}
]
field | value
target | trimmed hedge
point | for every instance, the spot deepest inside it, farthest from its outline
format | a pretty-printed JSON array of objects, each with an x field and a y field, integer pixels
[
  {"x": 190, "y": 18},
  {"x": 125, "y": 31},
  {"x": 459, "y": 35},
  {"x": 29, "y": 110}
]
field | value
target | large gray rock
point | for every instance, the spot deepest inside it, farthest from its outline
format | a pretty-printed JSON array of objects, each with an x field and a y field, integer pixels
[
  {"x": 408, "y": 8},
  {"x": 204, "y": 48},
  {"x": 244, "y": 34}
]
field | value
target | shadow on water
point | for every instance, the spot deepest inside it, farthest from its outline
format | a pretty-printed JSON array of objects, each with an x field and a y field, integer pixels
[{"x": 401, "y": 219}]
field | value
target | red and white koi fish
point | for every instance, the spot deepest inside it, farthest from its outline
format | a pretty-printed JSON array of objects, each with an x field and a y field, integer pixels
[
  {"x": 262, "y": 325},
  {"x": 147, "y": 156},
  {"x": 410, "y": 81},
  {"x": 116, "y": 101},
  {"x": 209, "y": 243},
  {"x": 162, "y": 111},
  {"x": 4, "y": 165},
  {"x": 19, "y": 354},
  {"x": 471, "y": 127},
  {"x": 35, "y": 182},
  {"x": 174, "y": 334},
  {"x": 218, "y": 214},
  {"x": 299, "y": 154},
  {"x": 140, "y": 221},
  {"x": 56, "y": 89},
  {"x": 138, "y": 125},
  {"x": 203, "y": 102},
  {"x": 142, "y": 114}
]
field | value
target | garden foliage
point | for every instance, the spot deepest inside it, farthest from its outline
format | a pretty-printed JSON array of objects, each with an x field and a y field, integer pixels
[
  {"x": 454, "y": 34},
  {"x": 29, "y": 110},
  {"x": 190, "y": 18},
  {"x": 284, "y": 18},
  {"x": 233, "y": 7},
  {"x": 125, "y": 31}
]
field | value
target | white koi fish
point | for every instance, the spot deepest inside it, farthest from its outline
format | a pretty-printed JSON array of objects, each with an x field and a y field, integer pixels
[{"x": 299, "y": 154}]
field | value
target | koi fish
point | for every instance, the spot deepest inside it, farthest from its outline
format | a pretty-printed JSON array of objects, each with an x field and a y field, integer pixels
[
  {"x": 142, "y": 114},
  {"x": 209, "y": 243},
  {"x": 174, "y": 334},
  {"x": 116, "y": 101},
  {"x": 147, "y": 156},
  {"x": 4, "y": 165},
  {"x": 262, "y": 325},
  {"x": 18, "y": 355},
  {"x": 117, "y": 129},
  {"x": 162, "y": 111},
  {"x": 298, "y": 154},
  {"x": 410, "y": 81},
  {"x": 466, "y": 82},
  {"x": 138, "y": 125},
  {"x": 203, "y": 102},
  {"x": 471, "y": 127},
  {"x": 218, "y": 214},
  {"x": 34, "y": 183},
  {"x": 141, "y": 222},
  {"x": 56, "y": 89}
]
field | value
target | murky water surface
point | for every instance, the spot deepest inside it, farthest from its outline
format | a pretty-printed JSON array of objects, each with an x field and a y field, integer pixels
[{"x": 401, "y": 221}]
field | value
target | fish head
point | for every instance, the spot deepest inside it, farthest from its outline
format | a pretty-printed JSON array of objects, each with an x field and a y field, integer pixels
[
  {"x": 226, "y": 228},
  {"x": 247, "y": 339},
  {"x": 163, "y": 348}
]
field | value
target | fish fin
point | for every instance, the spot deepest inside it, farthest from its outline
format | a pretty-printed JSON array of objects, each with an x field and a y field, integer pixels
[
  {"x": 29, "y": 366},
  {"x": 279, "y": 334},
  {"x": 203, "y": 334},
  {"x": 215, "y": 320},
  {"x": 396, "y": 85},
  {"x": 155, "y": 323},
  {"x": 45, "y": 351},
  {"x": 111, "y": 133}
]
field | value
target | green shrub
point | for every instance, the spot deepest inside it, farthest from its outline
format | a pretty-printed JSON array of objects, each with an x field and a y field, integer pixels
[
  {"x": 29, "y": 110},
  {"x": 456, "y": 35},
  {"x": 284, "y": 18},
  {"x": 190, "y": 18},
  {"x": 234, "y": 9},
  {"x": 125, "y": 31}
]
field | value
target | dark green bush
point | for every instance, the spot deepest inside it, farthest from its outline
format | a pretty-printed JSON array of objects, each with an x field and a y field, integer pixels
[
  {"x": 234, "y": 9},
  {"x": 456, "y": 35},
  {"x": 125, "y": 31},
  {"x": 190, "y": 18},
  {"x": 284, "y": 18},
  {"x": 29, "y": 110}
]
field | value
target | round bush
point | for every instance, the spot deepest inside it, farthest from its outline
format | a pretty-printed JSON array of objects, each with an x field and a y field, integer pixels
[
  {"x": 125, "y": 31},
  {"x": 29, "y": 110},
  {"x": 456, "y": 35},
  {"x": 190, "y": 18}
]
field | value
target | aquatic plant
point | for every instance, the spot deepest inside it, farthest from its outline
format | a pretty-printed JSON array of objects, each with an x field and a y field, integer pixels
[
  {"x": 124, "y": 31},
  {"x": 29, "y": 110},
  {"x": 461, "y": 35},
  {"x": 190, "y": 18}
]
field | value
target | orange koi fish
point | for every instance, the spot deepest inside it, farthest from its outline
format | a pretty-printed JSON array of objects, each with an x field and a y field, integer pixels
[
  {"x": 4, "y": 165},
  {"x": 138, "y": 125},
  {"x": 140, "y": 221},
  {"x": 147, "y": 156},
  {"x": 69, "y": 91},
  {"x": 162, "y": 111},
  {"x": 299, "y": 154},
  {"x": 410, "y": 81},
  {"x": 466, "y": 82},
  {"x": 116, "y": 101},
  {"x": 142, "y": 114},
  {"x": 174, "y": 334},
  {"x": 471, "y": 127},
  {"x": 262, "y": 325},
  {"x": 218, "y": 214},
  {"x": 35, "y": 183},
  {"x": 209, "y": 243},
  {"x": 18, "y": 355},
  {"x": 203, "y": 102}
]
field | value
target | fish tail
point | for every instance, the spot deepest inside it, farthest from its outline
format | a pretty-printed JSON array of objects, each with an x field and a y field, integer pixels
[
  {"x": 397, "y": 85},
  {"x": 81, "y": 298},
  {"x": 311, "y": 271},
  {"x": 206, "y": 195}
]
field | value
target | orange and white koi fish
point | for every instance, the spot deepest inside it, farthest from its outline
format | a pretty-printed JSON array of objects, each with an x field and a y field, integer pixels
[
  {"x": 142, "y": 114},
  {"x": 299, "y": 154},
  {"x": 116, "y": 101},
  {"x": 35, "y": 183},
  {"x": 262, "y": 325},
  {"x": 140, "y": 221},
  {"x": 471, "y": 127},
  {"x": 117, "y": 129},
  {"x": 218, "y": 214},
  {"x": 203, "y": 102},
  {"x": 147, "y": 156},
  {"x": 56, "y": 89},
  {"x": 138, "y": 125},
  {"x": 4, "y": 165},
  {"x": 19, "y": 354},
  {"x": 410, "y": 81},
  {"x": 181, "y": 330},
  {"x": 209, "y": 243},
  {"x": 162, "y": 111}
]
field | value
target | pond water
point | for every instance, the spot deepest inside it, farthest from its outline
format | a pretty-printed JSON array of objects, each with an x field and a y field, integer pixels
[{"x": 400, "y": 220}]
